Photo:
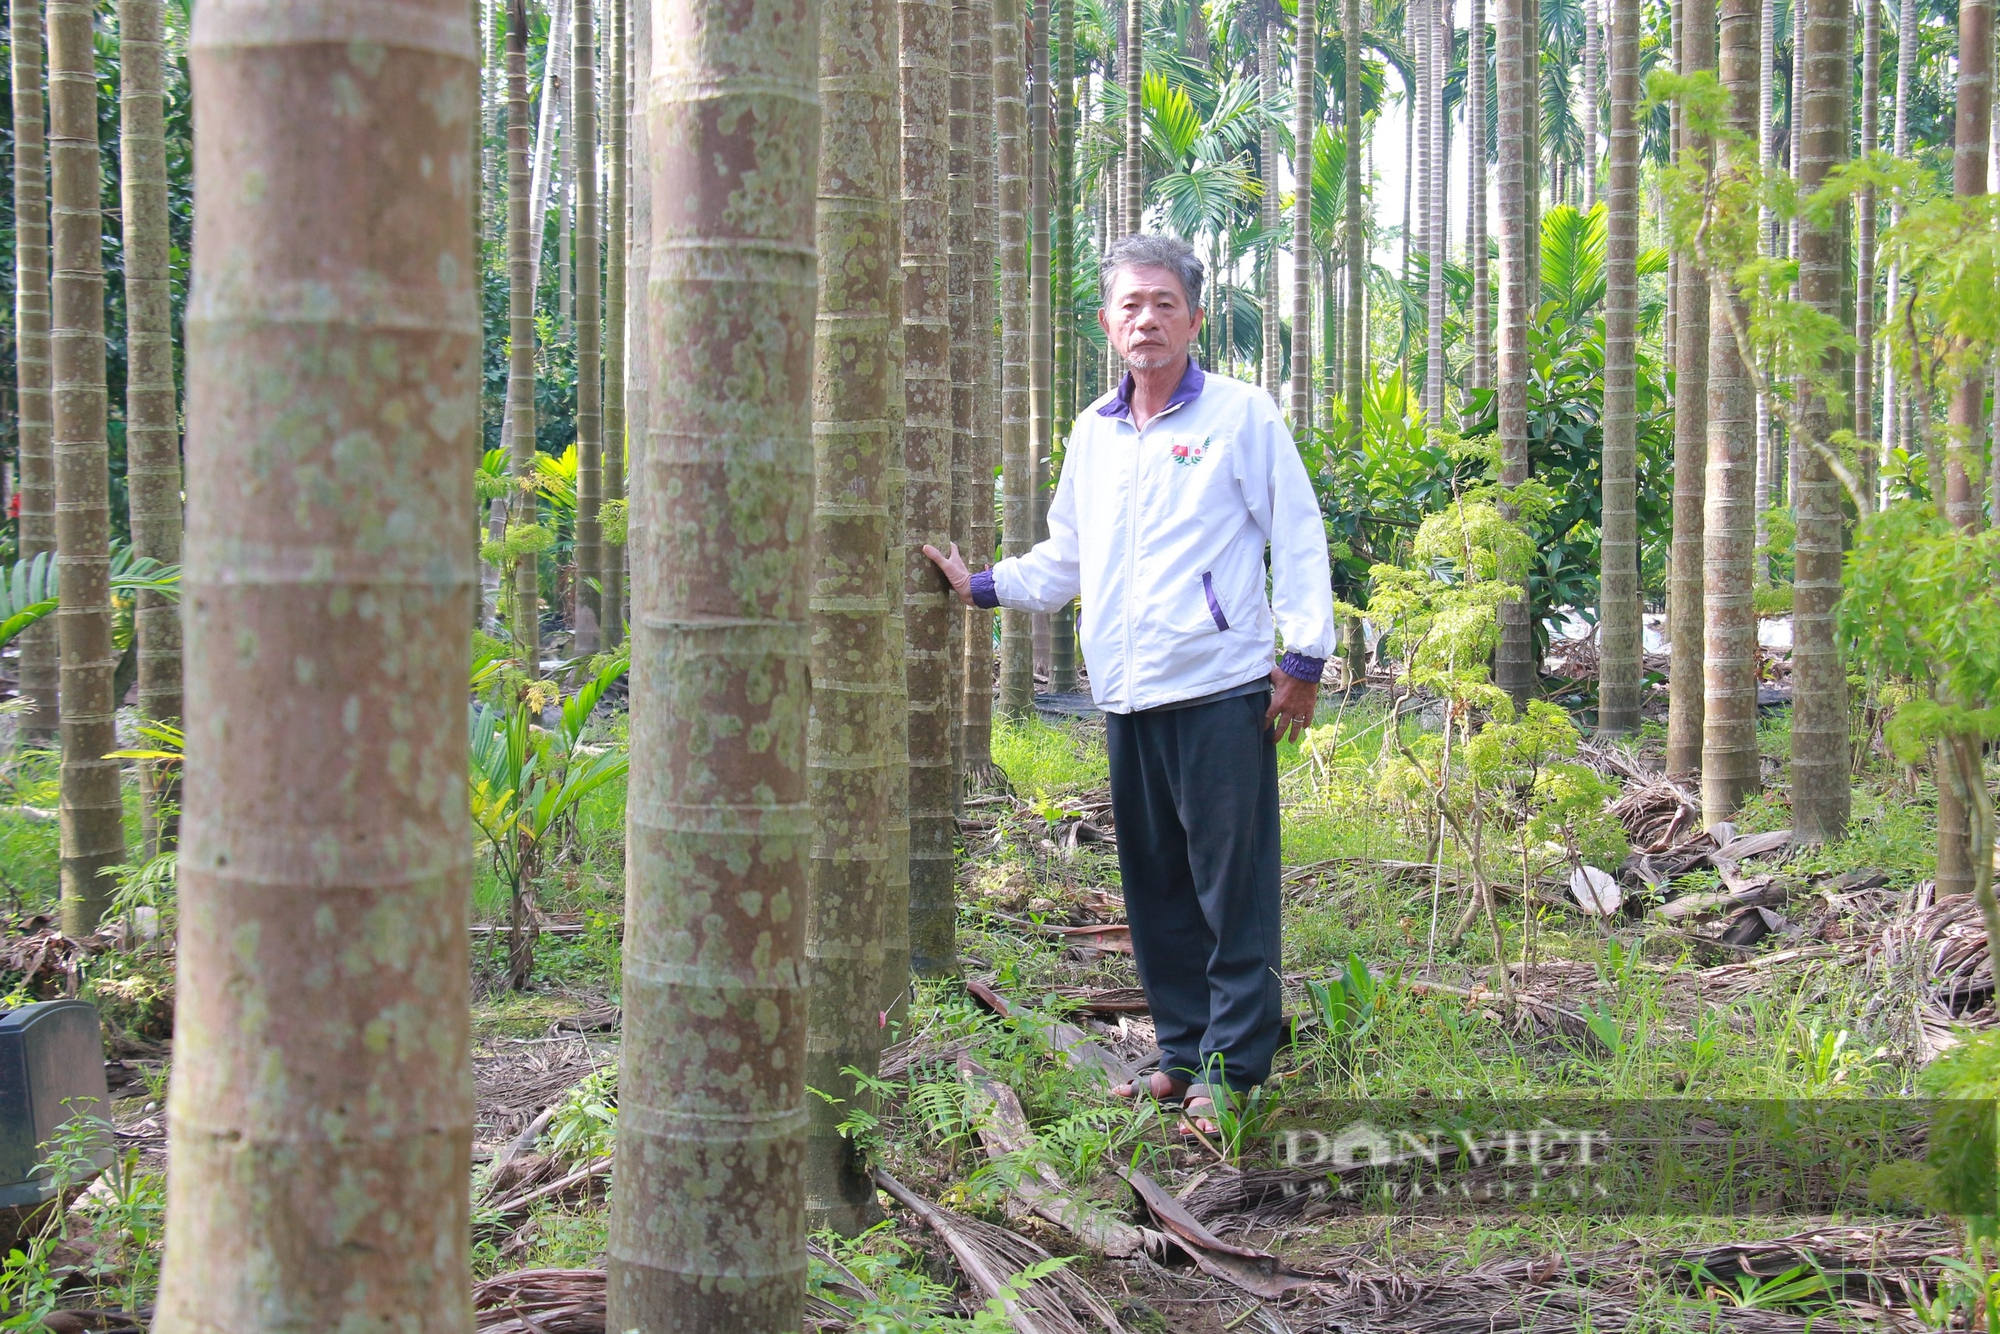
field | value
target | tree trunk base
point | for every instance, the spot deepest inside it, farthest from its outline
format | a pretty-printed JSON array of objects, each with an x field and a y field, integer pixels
[{"x": 986, "y": 777}]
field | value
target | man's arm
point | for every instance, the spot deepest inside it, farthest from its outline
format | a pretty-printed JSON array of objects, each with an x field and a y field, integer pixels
[
  {"x": 1044, "y": 579},
  {"x": 1280, "y": 496}
]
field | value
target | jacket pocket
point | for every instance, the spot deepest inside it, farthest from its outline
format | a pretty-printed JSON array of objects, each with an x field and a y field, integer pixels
[{"x": 1214, "y": 606}]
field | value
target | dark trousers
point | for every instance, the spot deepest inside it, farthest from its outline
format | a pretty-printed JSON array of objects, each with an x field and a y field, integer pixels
[{"x": 1194, "y": 793}]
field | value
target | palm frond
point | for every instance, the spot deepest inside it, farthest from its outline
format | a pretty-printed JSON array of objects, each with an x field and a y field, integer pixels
[
  {"x": 555, "y": 478},
  {"x": 28, "y": 591},
  {"x": 1573, "y": 260},
  {"x": 28, "y": 594}
]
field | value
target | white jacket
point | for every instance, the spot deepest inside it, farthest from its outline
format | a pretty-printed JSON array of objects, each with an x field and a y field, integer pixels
[{"x": 1162, "y": 534}]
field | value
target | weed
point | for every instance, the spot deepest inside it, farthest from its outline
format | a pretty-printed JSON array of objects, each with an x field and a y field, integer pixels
[
  {"x": 1606, "y": 1030},
  {"x": 29, "y": 1285},
  {"x": 877, "y": 1280},
  {"x": 585, "y": 1124},
  {"x": 127, "y": 1209},
  {"x": 1824, "y": 1060},
  {"x": 1795, "y": 1287},
  {"x": 126, "y": 1213},
  {"x": 1347, "y": 1006}
]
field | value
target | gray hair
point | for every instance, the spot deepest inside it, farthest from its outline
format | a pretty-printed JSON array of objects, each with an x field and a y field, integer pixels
[{"x": 1141, "y": 250}]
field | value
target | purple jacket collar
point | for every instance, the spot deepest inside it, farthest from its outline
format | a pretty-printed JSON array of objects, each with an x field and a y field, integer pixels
[{"x": 1185, "y": 393}]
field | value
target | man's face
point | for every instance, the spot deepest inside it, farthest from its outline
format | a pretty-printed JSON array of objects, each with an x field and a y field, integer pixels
[{"x": 1148, "y": 318}]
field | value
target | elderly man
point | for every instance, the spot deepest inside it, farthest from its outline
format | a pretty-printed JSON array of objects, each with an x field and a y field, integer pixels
[{"x": 1172, "y": 489}]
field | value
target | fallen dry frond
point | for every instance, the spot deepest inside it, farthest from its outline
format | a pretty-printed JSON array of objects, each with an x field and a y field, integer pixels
[
  {"x": 992, "y": 1258},
  {"x": 1002, "y": 1125},
  {"x": 1942, "y": 944}
]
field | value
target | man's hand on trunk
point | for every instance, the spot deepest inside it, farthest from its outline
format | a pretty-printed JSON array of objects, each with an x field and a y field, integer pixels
[
  {"x": 954, "y": 571},
  {"x": 1292, "y": 704}
]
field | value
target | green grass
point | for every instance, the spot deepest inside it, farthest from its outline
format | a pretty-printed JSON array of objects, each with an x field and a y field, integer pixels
[
  {"x": 566, "y": 1236},
  {"x": 1043, "y": 759},
  {"x": 30, "y": 849}
]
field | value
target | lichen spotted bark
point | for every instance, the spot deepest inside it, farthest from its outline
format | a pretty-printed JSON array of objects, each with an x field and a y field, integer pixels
[{"x": 321, "y": 1107}]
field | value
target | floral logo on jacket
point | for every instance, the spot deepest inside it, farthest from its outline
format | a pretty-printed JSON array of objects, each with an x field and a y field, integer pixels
[{"x": 1187, "y": 455}]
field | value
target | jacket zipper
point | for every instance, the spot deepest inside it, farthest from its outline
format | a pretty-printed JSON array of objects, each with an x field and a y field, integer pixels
[
  {"x": 1131, "y": 557},
  {"x": 1132, "y": 541}
]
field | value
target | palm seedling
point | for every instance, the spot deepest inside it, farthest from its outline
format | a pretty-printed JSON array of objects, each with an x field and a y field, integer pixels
[{"x": 527, "y": 782}]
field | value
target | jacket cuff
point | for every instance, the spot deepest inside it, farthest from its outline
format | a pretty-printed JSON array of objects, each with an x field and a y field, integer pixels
[
  {"x": 1301, "y": 668},
  {"x": 984, "y": 596}
]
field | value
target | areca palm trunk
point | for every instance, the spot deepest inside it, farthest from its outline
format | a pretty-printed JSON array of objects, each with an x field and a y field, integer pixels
[
  {"x": 34, "y": 425},
  {"x": 1964, "y": 434},
  {"x": 705, "y": 1217},
  {"x": 1592, "y": 63},
  {"x": 93, "y": 831},
  {"x": 638, "y": 253},
  {"x": 985, "y": 88},
  {"x": 1993, "y": 178},
  {"x": 1017, "y": 464},
  {"x": 1820, "y": 784},
  {"x": 1766, "y": 245},
  {"x": 331, "y": 1195},
  {"x": 589, "y": 334},
  {"x": 1676, "y": 60},
  {"x": 1417, "y": 32},
  {"x": 1475, "y": 150},
  {"x": 1618, "y": 679},
  {"x": 1685, "y": 579},
  {"x": 543, "y": 152},
  {"x": 1729, "y": 762},
  {"x": 1329, "y": 331},
  {"x": 1304, "y": 118},
  {"x": 1435, "y": 239},
  {"x": 1864, "y": 248},
  {"x": 152, "y": 424},
  {"x": 1894, "y": 409},
  {"x": 565, "y": 179},
  {"x": 521, "y": 242},
  {"x": 611, "y": 563},
  {"x": 1135, "y": 123},
  {"x": 1356, "y": 254},
  {"x": 492, "y": 99},
  {"x": 1225, "y": 356},
  {"x": 1112, "y": 177},
  {"x": 857, "y": 547},
  {"x": 1267, "y": 87},
  {"x": 967, "y": 346},
  {"x": 1531, "y": 164},
  {"x": 1062, "y": 626},
  {"x": 929, "y": 608},
  {"x": 1514, "y": 667},
  {"x": 1964, "y": 441},
  {"x": 1041, "y": 332},
  {"x": 483, "y": 183}
]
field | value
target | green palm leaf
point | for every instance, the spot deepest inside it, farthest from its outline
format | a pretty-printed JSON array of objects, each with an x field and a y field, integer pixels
[
  {"x": 1201, "y": 200},
  {"x": 28, "y": 589},
  {"x": 556, "y": 479},
  {"x": 27, "y": 594},
  {"x": 1172, "y": 124},
  {"x": 1573, "y": 261}
]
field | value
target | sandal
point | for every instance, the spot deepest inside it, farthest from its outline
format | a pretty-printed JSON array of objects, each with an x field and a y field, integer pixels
[
  {"x": 1159, "y": 1086},
  {"x": 1201, "y": 1122}
]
